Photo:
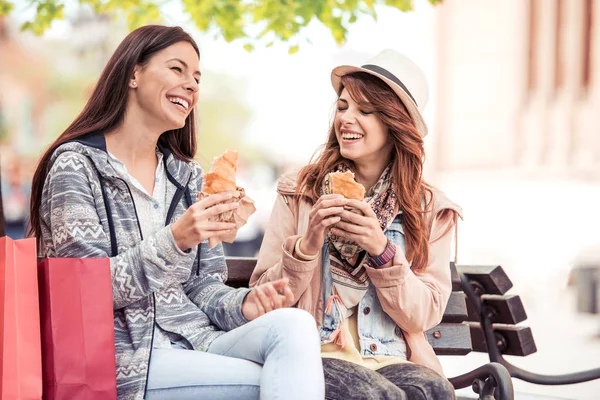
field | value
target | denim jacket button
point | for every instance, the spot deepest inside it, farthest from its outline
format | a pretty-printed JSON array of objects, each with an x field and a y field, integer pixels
[
  {"x": 373, "y": 347},
  {"x": 367, "y": 310}
]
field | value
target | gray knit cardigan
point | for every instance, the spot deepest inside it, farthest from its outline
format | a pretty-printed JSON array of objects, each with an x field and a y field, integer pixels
[{"x": 88, "y": 211}]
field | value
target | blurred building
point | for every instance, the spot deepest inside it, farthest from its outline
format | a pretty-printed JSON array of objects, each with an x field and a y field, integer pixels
[
  {"x": 89, "y": 43},
  {"x": 518, "y": 87},
  {"x": 24, "y": 93},
  {"x": 44, "y": 82}
]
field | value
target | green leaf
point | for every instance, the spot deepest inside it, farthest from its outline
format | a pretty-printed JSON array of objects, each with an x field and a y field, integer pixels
[
  {"x": 46, "y": 12},
  {"x": 293, "y": 49},
  {"x": 248, "y": 47},
  {"x": 5, "y": 7},
  {"x": 281, "y": 20},
  {"x": 402, "y": 5}
]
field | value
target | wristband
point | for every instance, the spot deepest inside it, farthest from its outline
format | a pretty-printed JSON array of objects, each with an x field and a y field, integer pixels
[
  {"x": 301, "y": 255},
  {"x": 385, "y": 257}
]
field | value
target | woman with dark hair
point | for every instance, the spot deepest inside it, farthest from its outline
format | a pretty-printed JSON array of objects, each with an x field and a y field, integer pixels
[
  {"x": 121, "y": 182},
  {"x": 373, "y": 273}
]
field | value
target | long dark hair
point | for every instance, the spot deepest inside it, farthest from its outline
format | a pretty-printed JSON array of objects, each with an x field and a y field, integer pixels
[
  {"x": 105, "y": 110},
  {"x": 407, "y": 161}
]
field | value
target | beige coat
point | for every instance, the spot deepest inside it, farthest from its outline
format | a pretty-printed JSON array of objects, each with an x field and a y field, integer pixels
[{"x": 414, "y": 300}]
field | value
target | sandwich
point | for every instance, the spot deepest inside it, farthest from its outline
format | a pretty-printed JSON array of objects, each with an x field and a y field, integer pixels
[{"x": 343, "y": 183}]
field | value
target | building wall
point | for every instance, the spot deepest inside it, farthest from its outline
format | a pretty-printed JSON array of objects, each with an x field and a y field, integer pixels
[{"x": 517, "y": 87}]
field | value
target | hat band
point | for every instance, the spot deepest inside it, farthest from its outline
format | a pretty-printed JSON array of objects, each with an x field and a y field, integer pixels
[{"x": 391, "y": 77}]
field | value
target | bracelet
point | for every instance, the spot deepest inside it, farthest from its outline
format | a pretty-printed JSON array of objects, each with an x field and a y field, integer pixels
[
  {"x": 301, "y": 255},
  {"x": 385, "y": 257}
]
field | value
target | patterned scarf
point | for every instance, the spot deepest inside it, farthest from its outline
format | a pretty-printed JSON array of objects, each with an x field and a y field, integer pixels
[{"x": 347, "y": 259}]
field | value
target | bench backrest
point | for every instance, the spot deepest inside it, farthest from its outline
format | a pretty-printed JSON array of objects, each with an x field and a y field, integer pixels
[
  {"x": 451, "y": 337},
  {"x": 505, "y": 311},
  {"x": 460, "y": 331}
]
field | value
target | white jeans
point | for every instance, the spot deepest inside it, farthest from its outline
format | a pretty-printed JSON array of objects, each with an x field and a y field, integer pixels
[{"x": 276, "y": 356}]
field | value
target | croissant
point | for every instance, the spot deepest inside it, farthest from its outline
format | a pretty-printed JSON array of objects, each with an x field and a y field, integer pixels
[
  {"x": 227, "y": 216},
  {"x": 343, "y": 183},
  {"x": 221, "y": 177}
]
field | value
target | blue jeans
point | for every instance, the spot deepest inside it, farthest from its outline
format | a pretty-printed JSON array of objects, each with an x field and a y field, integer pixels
[
  {"x": 407, "y": 381},
  {"x": 276, "y": 356}
]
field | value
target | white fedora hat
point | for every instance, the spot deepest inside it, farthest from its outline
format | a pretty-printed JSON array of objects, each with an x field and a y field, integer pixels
[{"x": 401, "y": 74}]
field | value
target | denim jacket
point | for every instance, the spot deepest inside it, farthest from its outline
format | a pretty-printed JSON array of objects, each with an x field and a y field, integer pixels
[{"x": 378, "y": 334}]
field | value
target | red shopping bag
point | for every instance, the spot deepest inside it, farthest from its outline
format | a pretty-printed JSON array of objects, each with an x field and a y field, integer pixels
[
  {"x": 20, "y": 353},
  {"x": 77, "y": 329}
]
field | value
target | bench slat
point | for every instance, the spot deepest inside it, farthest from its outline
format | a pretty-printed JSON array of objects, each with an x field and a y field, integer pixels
[
  {"x": 506, "y": 309},
  {"x": 450, "y": 339},
  {"x": 239, "y": 270},
  {"x": 456, "y": 282},
  {"x": 513, "y": 340},
  {"x": 492, "y": 278},
  {"x": 456, "y": 310}
]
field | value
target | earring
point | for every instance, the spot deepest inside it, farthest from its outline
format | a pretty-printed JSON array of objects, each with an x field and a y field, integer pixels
[{"x": 134, "y": 83}]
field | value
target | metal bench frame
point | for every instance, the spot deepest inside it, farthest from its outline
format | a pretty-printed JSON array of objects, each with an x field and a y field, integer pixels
[{"x": 474, "y": 292}]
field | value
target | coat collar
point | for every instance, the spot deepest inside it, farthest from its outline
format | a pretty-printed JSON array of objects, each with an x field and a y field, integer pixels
[{"x": 93, "y": 145}]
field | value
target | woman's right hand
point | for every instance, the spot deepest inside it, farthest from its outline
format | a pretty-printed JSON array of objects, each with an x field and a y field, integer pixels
[
  {"x": 325, "y": 212},
  {"x": 194, "y": 227}
]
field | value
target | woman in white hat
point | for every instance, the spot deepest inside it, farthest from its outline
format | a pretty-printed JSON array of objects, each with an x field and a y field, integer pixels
[{"x": 373, "y": 273}]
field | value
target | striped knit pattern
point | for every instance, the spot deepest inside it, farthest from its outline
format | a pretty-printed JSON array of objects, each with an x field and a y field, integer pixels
[
  {"x": 383, "y": 258},
  {"x": 152, "y": 279}
]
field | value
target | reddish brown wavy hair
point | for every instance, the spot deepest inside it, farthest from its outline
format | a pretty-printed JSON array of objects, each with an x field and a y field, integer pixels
[{"x": 413, "y": 193}]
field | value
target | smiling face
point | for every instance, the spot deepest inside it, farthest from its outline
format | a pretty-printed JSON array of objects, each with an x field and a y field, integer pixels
[
  {"x": 165, "y": 90},
  {"x": 362, "y": 135}
]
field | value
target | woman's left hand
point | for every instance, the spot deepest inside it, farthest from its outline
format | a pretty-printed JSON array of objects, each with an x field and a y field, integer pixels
[
  {"x": 363, "y": 229},
  {"x": 267, "y": 297}
]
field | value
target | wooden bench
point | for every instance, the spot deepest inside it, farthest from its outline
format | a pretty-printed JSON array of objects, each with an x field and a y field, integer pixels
[
  {"x": 453, "y": 336},
  {"x": 480, "y": 316},
  {"x": 493, "y": 318}
]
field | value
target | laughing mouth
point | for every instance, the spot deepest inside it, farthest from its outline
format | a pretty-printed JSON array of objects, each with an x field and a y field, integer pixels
[
  {"x": 351, "y": 136},
  {"x": 180, "y": 102}
]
